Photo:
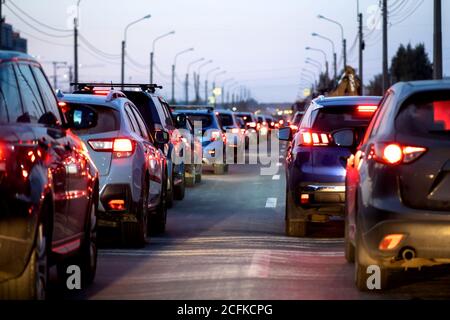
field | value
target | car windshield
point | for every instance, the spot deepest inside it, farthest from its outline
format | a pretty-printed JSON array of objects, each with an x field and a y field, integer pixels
[
  {"x": 226, "y": 120},
  {"x": 425, "y": 115},
  {"x": 333, "y": 118}
]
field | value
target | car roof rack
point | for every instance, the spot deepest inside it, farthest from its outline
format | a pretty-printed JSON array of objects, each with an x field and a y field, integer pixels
[
  {"x": 89, "y": 86},
  {"x": 192, "y": 107}
]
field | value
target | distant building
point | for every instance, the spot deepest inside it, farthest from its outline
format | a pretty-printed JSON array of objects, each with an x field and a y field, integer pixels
[{"x": 11, "y": 40}]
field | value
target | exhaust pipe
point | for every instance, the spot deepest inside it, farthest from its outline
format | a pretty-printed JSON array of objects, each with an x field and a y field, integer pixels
[{"x": 408, "y": 254}]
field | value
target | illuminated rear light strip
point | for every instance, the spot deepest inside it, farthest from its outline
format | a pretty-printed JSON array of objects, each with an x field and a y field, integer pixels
[
  {"x": 367, "y": 109},
  {"x": 314, "y": 139}
]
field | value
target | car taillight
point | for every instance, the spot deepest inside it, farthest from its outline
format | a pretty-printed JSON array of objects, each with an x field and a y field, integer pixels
[
  {"x": 235, "y": 130},
  {"x": 215, "y": 136},
  {"x": 251, "y": 124},
  {"x": 367, "y": 109},
  {"x": 120, "y": 147},
  {"x": 394, "y": 153},
  {"x": 101, "y": 92},
  {"x": 308, "y": 138},
  {"x": 294, "y": 127}
]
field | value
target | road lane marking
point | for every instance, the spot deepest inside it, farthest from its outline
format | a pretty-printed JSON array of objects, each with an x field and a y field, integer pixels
[
  {"x": 271, "y": 203},
  {"x": 276, "y": 177},
  {"x": 260, "y": 265}
]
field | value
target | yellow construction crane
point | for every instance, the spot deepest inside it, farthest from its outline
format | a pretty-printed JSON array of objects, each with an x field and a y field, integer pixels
[{"x": 349, "y": 85}]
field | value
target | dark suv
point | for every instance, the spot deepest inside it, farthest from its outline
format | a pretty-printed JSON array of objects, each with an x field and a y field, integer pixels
[
  {"x": 398, "y": 184},
  {"x": 157, "y": 115},
  {"x": 48, "y": 185},
  {"x": 316, "y": 158}
]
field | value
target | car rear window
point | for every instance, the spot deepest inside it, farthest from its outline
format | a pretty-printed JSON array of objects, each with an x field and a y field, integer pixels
[
  {"x": 226, "y": 120},
  {"x": 330, "y": 119},
  {"x": 107, "y": 118},
  {"x": 246, "y": 117},
  {"x": 205, "y": 119},
  {"x": 425, "y": 115}
]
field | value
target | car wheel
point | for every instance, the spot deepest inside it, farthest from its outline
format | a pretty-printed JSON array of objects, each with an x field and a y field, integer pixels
[
  {"x": 88, "y": 256},
  {"x": 295, "y": 227},
  {"x": 32, "y": 283},
  {"x": 349, "y": 247},
  {"x": 362, "y": 272},
  {"x": 190, "y": 180},
  {"x": 198, "y": 174},
  {"x": 219, "y": 169},
  {"x": 179, "y": 190},
  {"x": 157, "y": 221},
  {"x": 135, "y": 233}
]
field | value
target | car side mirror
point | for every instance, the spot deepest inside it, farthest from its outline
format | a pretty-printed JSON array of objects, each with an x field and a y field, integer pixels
[
  {"x": 162, "y": 137},
  {"x": 285, "y": 134},
  {"x": 344, "y": 138},
  {"x": 181, "y": 120}
]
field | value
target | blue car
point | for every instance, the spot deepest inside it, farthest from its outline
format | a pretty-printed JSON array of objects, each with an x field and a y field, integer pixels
[{"x": 317, "y": 156}]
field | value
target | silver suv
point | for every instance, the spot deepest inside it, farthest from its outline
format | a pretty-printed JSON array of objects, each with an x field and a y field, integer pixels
[{"x": 132, "y": 171}]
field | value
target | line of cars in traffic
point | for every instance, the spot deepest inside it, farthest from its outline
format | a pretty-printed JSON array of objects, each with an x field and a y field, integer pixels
[
  {"x": 383, "y": 165},
  {"x": 74, "y": 164}
]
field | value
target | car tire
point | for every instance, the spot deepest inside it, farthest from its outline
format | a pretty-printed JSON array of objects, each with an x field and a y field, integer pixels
[
  {"x": 349, "y": 247},
  {"x": 361, "y": 269},
  {"x": 294, "y": 227},
  {"x": 87, "y": 259},
  {"x": 32, "y": 283},
  {"x": 135, "y": 233},
  {"x": 219, "y": 169},
  {"x": 190, "y": 180},
  {"x": 169, "y": 197},
  {"x": 180, "y": 190},
  {"x": 158, "y": 220},
  {"x": 198, "y": 175}
]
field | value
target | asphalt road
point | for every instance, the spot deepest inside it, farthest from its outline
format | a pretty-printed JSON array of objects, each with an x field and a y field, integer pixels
[{"x": 226, "y": 241}]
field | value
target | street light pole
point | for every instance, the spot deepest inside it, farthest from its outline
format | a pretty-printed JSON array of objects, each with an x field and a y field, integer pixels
[
  {"x": 437, "y": 60},
  {"x": 344, "y": 41},
  {"x": 385, "y": 47},
  {"x": 223, "y": 89},
  {"x": 324, "y": 55},
  {"x": 334, "y": 51},
  {"x": 122, "y": 77},
  {"x": 75, "y": 40},
  {"x": 186, "y": 81},
  {"x": 173, "y": 70},
  {"x": 206, "y": 82},
  {"x": 152, "y": 54},
  {"x": 197, "y": 91}
]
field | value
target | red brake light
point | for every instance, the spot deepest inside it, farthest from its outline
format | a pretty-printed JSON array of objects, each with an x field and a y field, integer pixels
[
  {"x": 294, "y": 127},
  {"x": 101, "y": 92},
  {"x": 367, "y": 109},
  {"x": 215, "y": 135},
  {"x": 394, "y": 153},
  {"x": 235, "y": 130},
  {"x": 121, "y": 147},
  {"x": 308, "y": 138}
]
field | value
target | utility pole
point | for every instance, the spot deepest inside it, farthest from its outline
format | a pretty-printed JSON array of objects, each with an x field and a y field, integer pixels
[
  {"x": 75, "y": 46},
  {"x": 151, "y": 66},
  {"x": 437, "y": 68},
  {"x": 1, "y": 23},
  {"x": 173, "y": 83},
  {"x": 122, "y": 73},
  {"x": 385, "y": 47},
  {"x": 206, "y": 91},
  {"x": 361, "y": 51}
]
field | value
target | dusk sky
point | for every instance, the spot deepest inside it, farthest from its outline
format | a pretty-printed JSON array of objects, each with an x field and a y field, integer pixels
[{"x": 260, "y": 43}]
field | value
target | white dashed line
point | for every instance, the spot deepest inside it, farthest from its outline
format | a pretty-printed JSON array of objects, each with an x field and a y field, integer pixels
[
  {"x": 271, "y": 203},
  {"x": 260, "y": 265},
  {"x": 276, "y": 177}
]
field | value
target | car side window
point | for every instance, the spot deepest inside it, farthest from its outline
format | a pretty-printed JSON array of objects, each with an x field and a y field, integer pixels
[
  {"x": 50, "y": 102},
  {"x": 380, "y": 115},
  {"x": 132, "y": 121},
  {"x": 140, "y": 122},
  {"x": 31, "y": 98},
  {"x": 159, "y": 109},
  {"x": 10, "y": 103},
  {"x": 168, "y": 116}
]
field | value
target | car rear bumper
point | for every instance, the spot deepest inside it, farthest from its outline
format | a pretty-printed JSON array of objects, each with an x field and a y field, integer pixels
[
  {"x": 319, "y": 201},
  {"x": 113, "y": 218},
  {"x": 427, "y": 233}
]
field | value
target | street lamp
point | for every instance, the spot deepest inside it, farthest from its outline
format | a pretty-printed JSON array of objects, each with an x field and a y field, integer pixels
[
  {"x": 206, "y": 81},
  {"x": 122, "y": 78},
  {"x": 223, "y": 89},
  {"x": 186, "y": 81},
  {"x": 152, "y": 54},
  {"x": 197, "y": 91},
  {"x": 324, "y": 55},
  {"x": 344, "y": 41},
  {"x": 173, "y": 70},
  {"x": 333, "y": 48}
]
